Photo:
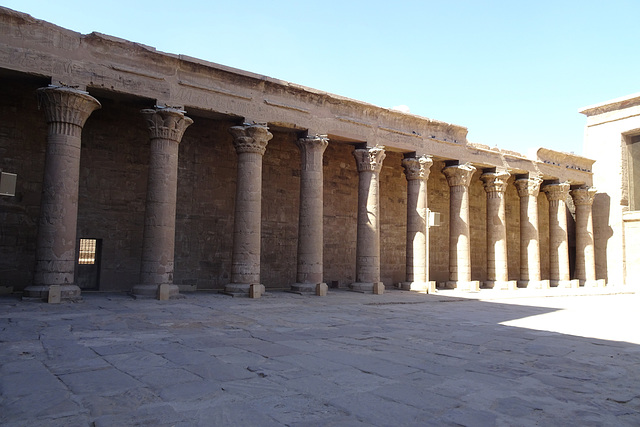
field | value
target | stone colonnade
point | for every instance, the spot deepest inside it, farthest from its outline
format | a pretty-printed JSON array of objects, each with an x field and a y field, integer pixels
[{"x": 67, "y": 110}]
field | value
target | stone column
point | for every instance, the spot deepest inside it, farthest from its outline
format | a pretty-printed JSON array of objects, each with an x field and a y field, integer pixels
[
  {"x": 166, "y": 126},
  {"x": 528, "y": 190},
  {"x": 459, "y": 178},
  {"x": 310, "y": 230},
  {"x": 495, "y": 185},
  {"x": 585, "y": 254},
  {"x": 66, "y": 111},
  {"x": 558, "y": 237},
  {"x": 369, "y": 163},
  {"x": 417, "y": 172},
  {"x": 250, "y": 141}
]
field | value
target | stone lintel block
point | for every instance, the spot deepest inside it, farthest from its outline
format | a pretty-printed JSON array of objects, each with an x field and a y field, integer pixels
[
  {"x": 55, "y": 294},
  {"x": 255, "y": 291},
  {"x": 364, "y": 287},
  {"x": 510, "y": 285},
  {"x": 426, "y": 287},
  {"x": 378, "y": 288},
  {"x": 472, "y": 286},
  {"x": 432, "y": 287},
  {"x": 534, "y": 284},
  {"x": 599, "y": 283},
  {"x": 564, "y": 284},
  {"x": 163, "y": 293},
  {"x": 304, "y": 288},
  {"x": 322, "y": 289}
]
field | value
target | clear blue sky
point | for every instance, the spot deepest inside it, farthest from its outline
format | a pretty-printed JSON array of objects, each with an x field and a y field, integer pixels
[{"x": 514, "y": 72}]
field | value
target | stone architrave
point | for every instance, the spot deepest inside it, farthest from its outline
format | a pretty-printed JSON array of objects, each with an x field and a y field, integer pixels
[
  {"x": 530, "y": 273},
  {"x": 558, "y": 237},
  {"x": 166, "y": 126},
  {"x": 459, "y": 178},
  {"x": 369, "y": 163},
  {"x": 417, "y": 170},
  {"x": 250, "y": 141},
  {"x": 66, "y": 111},
  {"x": 585, "y": 270},
  {"x": 495, "y": 185},
  {"x": 310, "y": 229}
]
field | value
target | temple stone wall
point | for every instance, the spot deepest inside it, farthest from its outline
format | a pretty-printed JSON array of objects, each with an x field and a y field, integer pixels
[
  {"x": 438, "y": 194},
  {"x": 340, "y": 213},
  {"x": 393, "y": 227},
  {"x": 512, "y": 211},
  {"x": 206, "y": 197},
  {"x": 478, "y": 228},
  {"x": 22, "y": 147},
  {"x": 280, "y": 210},
  {"x": 113, "y": 183}
]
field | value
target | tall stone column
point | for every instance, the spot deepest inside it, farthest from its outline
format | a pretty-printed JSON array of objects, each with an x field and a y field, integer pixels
[
  {"x": 66, "y": 111},
  {"x": 585, "y": 270},
  {"x": 417, "y": 172},
  {"x": 166, "y": 127},
  {"x": 250, "y": 141},
  {"x": 369, "y": 163},
  {"x": 310, "y": 230},
  {"x": 459, "y": 178},
  {"x": 495, "y": 185},
  {"x": 530, "y": 273},
  {"x": 558, "y": 238}
]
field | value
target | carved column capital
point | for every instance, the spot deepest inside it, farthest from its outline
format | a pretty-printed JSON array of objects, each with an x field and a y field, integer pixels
[
  {"x": 417, "y": 167},
  {"x": 166, "y": 123},
  {"x": 369, "y": 159},
  {"x": 495, "y": 182},
  {"x": 459, "y": 175},
  {"x": 67, "y": 106},
  {"x": 557, "y": 192},
  {"x": 528, "y": 186},
  {"x": 251, "y": 138},
  {"x": 315, "y": 142},
  {"x": 583, "y": 195}
]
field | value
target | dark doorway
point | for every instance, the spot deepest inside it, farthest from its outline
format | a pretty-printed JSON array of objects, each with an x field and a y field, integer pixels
[{"x": 88, "y": 273}]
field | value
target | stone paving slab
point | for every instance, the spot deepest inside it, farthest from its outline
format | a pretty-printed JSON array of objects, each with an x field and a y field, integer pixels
[{"x": 401, "y": 358}]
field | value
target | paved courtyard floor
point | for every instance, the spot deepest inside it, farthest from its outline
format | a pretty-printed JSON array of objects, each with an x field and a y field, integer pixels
[{"x": 348, "y": 359}]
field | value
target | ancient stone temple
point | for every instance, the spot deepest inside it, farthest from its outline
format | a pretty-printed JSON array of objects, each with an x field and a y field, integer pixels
[{"x": 137, "y": 170}]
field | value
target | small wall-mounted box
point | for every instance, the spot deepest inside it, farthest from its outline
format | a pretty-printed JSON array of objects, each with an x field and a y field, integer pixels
[{"x": 8, "y": 184}]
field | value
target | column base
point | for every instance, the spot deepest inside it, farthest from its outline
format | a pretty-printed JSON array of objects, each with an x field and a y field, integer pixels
[
  {"x": 534, "y": 284},
  {"x": 565, "y": 284},
  {"x": 306, "y": 288},
  {"x": 599, "y": 283},
  {"x": 67, "y": 292},
  {"x": 153, "y": 291},
  {"x": 428, "y": 287},
  {"x": 367, "y": 287},
  {"x": 472, "y": 286},
  {"x": 241, "y": 289},
  {"x": 509, "y": 285}
]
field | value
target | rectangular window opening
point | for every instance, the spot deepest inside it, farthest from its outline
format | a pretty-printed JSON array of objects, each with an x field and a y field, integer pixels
[{"x": 87, "y": 251}]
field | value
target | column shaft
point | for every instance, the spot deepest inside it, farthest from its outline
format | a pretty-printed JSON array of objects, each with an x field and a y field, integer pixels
[
  {"x": 495, "y": 185},
  {"x": 417, "y": 253},
  {"x": 66, "y": 111},
  {"x": 369, "y": 162},
  {"x": 459, "y": 178},
  {"x": 250, "y": 142},
  {"x": 166, "y": 127},
  {"x": 558, "y": 237},
  {"x": 310, "y": 228},
  {"x": 528, "y": 190},
  {"x": 585, "y": 270}
]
